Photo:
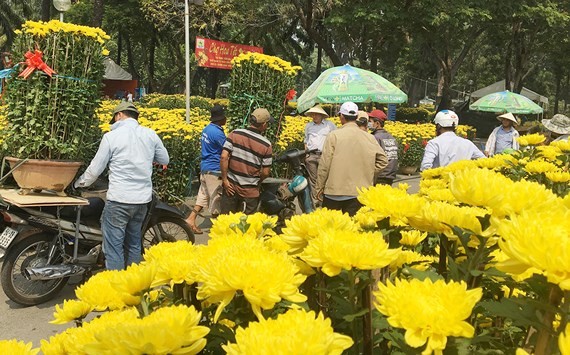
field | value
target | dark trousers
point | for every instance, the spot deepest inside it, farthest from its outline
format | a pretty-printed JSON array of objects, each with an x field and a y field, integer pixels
[
  {"x": 347, "y": 206},
  {"x": 384, "y": 181},
  {"x": 237, "y": 203}
]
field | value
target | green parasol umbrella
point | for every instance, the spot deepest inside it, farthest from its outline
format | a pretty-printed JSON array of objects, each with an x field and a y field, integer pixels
[
  {"x": 506, "y": 101},
  {"x": 346, "y": 83}
]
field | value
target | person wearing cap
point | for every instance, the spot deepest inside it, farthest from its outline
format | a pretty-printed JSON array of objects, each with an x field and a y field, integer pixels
[
  {"x": 212, "y": 142},
  {"x": 128, "y": 151},
  {"x": 351, "y": 159},
  {"x": 316, "y": 132},
  {"x": 245, "y": 162},
  {"x": 559, "y": 127},
  {"x": 376, "y": 121},
  {"x": 447, "y": 147},
  {"x": 362, "y": 120},
  {"x": 503, "y": 137}
]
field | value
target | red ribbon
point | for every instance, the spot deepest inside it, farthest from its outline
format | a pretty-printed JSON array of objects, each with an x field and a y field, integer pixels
[
  {"x": 34, "y": 61},
  {"x": 290, "y": 94}
]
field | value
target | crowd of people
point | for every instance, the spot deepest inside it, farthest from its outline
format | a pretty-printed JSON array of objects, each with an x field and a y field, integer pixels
[{"x": 339, "y": 162}]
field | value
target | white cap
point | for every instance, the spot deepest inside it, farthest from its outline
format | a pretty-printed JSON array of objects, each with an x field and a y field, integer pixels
[
  {"x": 446, "y": 118},
  {"x": 349, "y": 109}
]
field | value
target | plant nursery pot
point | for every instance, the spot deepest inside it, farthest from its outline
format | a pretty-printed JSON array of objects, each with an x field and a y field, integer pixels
[
  {"x": 36, "y": 175},
  {"x": 407, "y": 170}
]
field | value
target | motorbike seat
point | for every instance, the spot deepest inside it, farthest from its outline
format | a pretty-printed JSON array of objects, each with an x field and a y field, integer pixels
[{"x": 89, "y": 213}]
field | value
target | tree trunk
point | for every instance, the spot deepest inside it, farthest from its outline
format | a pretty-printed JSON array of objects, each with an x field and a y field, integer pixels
[
  {"x": 151, "y": 55},
  {"x": 119, "y": 48},
  {"x": 46, "y": 10},
  {"x": 557, "y": 94},
  {"x": 319, "y": 67},
  {"x": 444, "y": 78},
  {"x": 214, "y": 79},
  {"x": 98, "y": 11},
  {"x": 130, "y": 59}
]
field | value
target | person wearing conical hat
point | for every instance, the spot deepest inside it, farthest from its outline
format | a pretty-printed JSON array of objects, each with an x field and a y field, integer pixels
[
  {"x": 315, "y": 133},
  {"x": 503, "y": 137},
  {"x": 559, "y": 127}
]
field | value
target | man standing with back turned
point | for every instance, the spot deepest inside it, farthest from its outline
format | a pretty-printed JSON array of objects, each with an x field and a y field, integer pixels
[
  {"x": 245, "y": 163},
  {"x": 447, "y": 147},
  {"x": 351, "y": 159},
  {"x": 129, "y": 150}
]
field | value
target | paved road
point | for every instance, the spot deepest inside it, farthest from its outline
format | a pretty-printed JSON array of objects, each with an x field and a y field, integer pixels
[{"x": 31, "y": 323}]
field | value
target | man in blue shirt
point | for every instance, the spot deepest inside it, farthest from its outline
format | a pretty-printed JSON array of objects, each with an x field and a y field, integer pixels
[
  {"x": 129, "y": 151},
  {"x": 210, "y": 192}
]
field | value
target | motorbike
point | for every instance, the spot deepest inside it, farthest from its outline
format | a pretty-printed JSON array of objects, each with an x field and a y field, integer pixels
[
  {"x": 42, "y": 247},
  {"x": 278, "y": 196}
]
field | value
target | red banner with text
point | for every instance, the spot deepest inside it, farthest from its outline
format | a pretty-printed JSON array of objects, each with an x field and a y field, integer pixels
[{"x": 216, "y": 54}]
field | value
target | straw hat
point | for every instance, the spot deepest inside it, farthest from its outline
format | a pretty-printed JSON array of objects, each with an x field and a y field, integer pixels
[
  {"x": 509, "y": 116},
  {"x": 317, "y": 109},
  {"x": 558, "y": 124}
]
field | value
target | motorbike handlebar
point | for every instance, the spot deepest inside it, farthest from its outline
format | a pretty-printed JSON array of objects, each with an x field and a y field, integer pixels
[{"x": 292, "y": 154}]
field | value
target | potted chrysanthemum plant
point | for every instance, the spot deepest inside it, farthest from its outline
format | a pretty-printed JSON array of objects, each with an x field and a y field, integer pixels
[{"x": 51, "y": 99}]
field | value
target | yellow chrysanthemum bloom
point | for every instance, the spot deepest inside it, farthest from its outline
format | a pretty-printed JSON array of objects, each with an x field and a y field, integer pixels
[
  {"x": 267, "y": 277},
  {"x": 549, "y": 152},
  {"x": 537, "y": 239},
  {"x": 531, "y": 139},
  {"x": 300, "y": 229},
  {"x": 540, "y": 166},
  {"x": 563, "y": 145},
  {"x": 136, "y": 279},
  {"x": 167, "y": 330},
  {"x": 74, "y": 340},
  {"x": 478, "y": 187},
  {"x": 413, "y": 259},
  {"x": 99, "y": 292},
  {"x": 564, "y": 341},
  {"x": 71, "y": 310},
  {"x": 404, "y": 303},
  {"x": 294, "y": 332},
  {"x": 412, "y": 237},
  {"x": 391, "y": 202},
  {"x": 435, "y": 194},
  {"x": 558, "y": 176},
  {"x": 334, "y": 251},
  {"x": 15, "y": 347},
  {"x": 176, "y": 262},
  {"x": 259, "y": 225}
]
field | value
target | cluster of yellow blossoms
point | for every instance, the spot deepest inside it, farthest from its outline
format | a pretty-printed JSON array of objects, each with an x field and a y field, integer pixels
[
  {"x": 270, "y": 61},
  {"x": 41, "y": 29}
]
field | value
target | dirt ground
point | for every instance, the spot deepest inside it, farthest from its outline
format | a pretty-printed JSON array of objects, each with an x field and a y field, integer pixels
[{"x": 32, "y": 323}]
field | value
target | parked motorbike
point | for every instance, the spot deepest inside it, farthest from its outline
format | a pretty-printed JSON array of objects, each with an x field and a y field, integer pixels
[
  {"x": 278, "y": 196},
  {"x": 41, "y": 247}
]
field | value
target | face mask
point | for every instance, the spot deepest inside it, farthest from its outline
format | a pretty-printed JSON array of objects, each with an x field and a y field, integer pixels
[{"x": 370, "y": 125}]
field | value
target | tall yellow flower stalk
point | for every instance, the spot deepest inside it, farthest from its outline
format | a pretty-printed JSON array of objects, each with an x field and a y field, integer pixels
[
  {"x": 294, "y": 332},
  {"x": 428, "y": 311}
]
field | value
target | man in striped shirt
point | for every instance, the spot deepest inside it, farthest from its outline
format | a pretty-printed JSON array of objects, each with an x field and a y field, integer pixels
[{"x": 245, "y": 163}]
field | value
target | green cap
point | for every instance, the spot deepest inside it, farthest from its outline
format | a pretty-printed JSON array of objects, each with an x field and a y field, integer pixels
[{"x": 123, "y": 106}]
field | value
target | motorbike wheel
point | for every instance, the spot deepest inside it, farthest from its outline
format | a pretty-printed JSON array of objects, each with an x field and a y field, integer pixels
[
  {"x": 31, "y": 251},
  {"x": 167, "y": 229}
]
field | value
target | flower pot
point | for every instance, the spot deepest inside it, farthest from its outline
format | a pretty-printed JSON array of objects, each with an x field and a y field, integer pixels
[
  {"x": 407, "y": 170},
  {"x": 36, "y": 175}
]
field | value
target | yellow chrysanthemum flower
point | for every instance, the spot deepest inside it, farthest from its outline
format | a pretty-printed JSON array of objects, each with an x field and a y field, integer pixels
[
  {"x": 294, "y": 332},
  {"x": 267, "y": 277},
  {"x": 413, "y": 259},
  {"x": 540, "y": 166},
  {"x": 176, "y": 262},
  {"x": 334, "y": 251},
  {"x": 300, "y": 229},
  {"x": 563, "y": 145},
  {"x": 537, "y": 239},
  {"x": 258, "y": 225},
  {"x": 71, "y": 310},
  {"x": 549, "y": 152},
  {"x": 558, "y": 176},
  {"x": 412, "y": 237},
  {"x": 404, "y": 303},
  {"x": 15, "y": 347},
  {"x": 100, "y": 293},
  {"x": 387, "y": 201},
  {"x": 531, "y": 139},
  {"x": 136, "y": 279},
  {"x": 167, "y": 330},
  {"x": 564, "y": 341}
]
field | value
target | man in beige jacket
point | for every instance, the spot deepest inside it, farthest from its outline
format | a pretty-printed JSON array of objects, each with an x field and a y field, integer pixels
[{"x": 350, "y": 161}]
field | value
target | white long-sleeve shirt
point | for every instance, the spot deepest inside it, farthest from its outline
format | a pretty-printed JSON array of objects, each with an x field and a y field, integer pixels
[
  {"x": 129, "y": 150},
  {"x": 448, "y": 148}
]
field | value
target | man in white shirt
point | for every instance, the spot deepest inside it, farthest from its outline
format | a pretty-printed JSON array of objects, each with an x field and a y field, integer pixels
[
  {"x": 128, "y": 150},
  {"x": 315, "y": 134},
  {"x": 447, "y": 147}
]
